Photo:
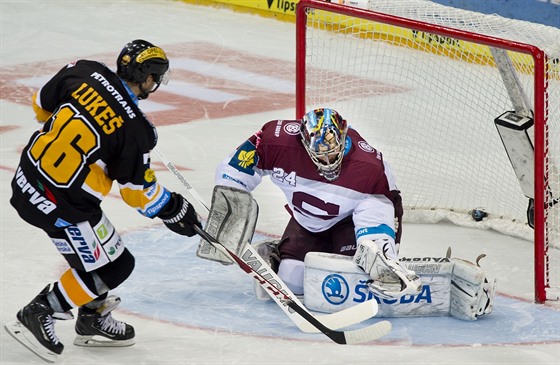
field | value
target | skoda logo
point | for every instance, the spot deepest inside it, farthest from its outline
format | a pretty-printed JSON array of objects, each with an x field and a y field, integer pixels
[{"x": 335, "y": 289}]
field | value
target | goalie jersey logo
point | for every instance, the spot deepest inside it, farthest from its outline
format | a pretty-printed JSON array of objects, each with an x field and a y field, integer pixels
[{"x": 245, "y": 158}]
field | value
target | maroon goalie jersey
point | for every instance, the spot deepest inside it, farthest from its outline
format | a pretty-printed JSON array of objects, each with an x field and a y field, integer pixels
[
  {"x": 365, "y": 189},
  {"x": 93, "y": 134}
]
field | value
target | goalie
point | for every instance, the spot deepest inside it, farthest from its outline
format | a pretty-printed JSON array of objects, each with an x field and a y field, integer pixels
[{"x": 350, "y": 210}]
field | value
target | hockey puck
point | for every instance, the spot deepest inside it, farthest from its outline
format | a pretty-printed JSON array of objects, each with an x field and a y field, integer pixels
[{"x": 478, "y": 214}]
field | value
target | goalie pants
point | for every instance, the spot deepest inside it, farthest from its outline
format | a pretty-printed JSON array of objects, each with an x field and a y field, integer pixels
[{"x": 296, "y": 241}]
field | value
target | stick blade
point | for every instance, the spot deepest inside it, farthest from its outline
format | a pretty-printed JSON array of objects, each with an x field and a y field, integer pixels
[
  {"x": 344, "y": 318},
  {"x": 368, "y": 334}
]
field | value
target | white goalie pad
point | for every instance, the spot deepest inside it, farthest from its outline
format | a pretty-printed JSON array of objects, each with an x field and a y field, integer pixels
[
  {"x": 472, "y": 294},
  {"x": 333, "y": 283},
  {"x": 450, "y": 287},
  {"x": 232, "y": 220}
]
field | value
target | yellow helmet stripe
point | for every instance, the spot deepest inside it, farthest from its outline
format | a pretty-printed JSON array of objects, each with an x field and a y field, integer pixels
[{"x": 152, "y": 52}]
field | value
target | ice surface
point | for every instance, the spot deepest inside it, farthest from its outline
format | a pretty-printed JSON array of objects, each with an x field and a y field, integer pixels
[{"x": 191, "y": 311}]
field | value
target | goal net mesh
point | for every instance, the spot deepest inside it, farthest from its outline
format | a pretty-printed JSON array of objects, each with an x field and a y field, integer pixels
[{"x": 428, "y": 102}]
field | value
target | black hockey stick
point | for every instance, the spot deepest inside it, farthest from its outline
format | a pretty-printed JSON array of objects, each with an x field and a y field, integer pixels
[{"x": 357, "y": 336}]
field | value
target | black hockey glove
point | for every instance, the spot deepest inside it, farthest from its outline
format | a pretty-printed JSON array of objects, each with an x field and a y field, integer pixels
[{"x": 179, "y": 216}]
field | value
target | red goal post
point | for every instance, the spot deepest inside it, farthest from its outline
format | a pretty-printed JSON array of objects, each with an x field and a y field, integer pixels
[{"x": 425, "y": 83}]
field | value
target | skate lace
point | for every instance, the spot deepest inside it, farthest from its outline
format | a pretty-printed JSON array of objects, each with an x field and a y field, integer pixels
[
  {"x": 109, "y": 324},
  {"x": 48, "y": 328}
]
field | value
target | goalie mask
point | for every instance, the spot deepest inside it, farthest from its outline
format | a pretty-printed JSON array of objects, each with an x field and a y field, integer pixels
[
  {"x": 139, "y": 59},
  {"x": 323, "y": 133}
]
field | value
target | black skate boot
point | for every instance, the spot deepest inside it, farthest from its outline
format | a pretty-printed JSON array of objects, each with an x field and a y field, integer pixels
[
  {"x": 37, "y": 317},
  {"x": 96, "y": 327}
]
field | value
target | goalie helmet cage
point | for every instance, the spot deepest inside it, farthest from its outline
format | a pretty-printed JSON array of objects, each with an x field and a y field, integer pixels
[{"x": 419, "y": 81}]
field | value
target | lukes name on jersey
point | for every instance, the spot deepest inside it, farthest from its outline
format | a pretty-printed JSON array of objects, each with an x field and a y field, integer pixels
[{"x": 92, "y": 101}]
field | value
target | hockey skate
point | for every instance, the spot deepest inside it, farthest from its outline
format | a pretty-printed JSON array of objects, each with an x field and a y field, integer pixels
[
  {"x": 95, "y": 326},
  {"x": 34, "y": 328}
]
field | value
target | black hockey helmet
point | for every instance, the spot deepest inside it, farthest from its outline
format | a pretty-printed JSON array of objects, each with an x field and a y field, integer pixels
[{"x": 139, "y": 59}]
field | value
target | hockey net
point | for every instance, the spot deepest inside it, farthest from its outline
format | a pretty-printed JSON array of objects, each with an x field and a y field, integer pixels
[{"x": 420, "y": 81}]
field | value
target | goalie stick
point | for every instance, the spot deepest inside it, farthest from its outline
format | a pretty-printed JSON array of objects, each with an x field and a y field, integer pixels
[
  {"x": 285, "y": 301},
  {"x": 330, "y": 322}
]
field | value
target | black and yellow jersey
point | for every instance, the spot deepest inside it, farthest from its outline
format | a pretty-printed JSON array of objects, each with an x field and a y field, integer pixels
[{"x": 93, "y": 134}]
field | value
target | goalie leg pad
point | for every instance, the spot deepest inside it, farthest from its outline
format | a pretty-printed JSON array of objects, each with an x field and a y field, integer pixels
[
  {"x": 232, "y": 220},
  {"x": 453, "y": 287},
  {"x": 472, "y": 294},
  {"x": 332, "y": 282}
]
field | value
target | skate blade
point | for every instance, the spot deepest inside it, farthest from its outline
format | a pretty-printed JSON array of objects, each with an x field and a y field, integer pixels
[
  {"x": 26, "y": 338},
  {"x": 100, "y": 341}
]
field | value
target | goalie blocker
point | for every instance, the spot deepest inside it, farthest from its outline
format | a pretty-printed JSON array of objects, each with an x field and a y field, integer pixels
[
  {"x": 231, "y": 220},
  {"x": 450, "y": 286}
]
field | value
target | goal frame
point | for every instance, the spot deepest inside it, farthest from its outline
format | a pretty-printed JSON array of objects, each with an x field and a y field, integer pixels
[{"x": 539, "y": 116}]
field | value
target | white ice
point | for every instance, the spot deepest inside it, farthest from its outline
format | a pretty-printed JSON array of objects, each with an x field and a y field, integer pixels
[{"x": 191, "y": 311}]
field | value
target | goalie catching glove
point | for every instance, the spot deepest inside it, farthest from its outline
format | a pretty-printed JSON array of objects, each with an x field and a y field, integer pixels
[
  {"x": 389, "y": 278},
  {"x": 179, "y": 216}
]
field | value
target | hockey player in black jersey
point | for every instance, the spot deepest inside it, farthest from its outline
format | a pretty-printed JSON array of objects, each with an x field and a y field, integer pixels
[{"x": 93, "y": 133}]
